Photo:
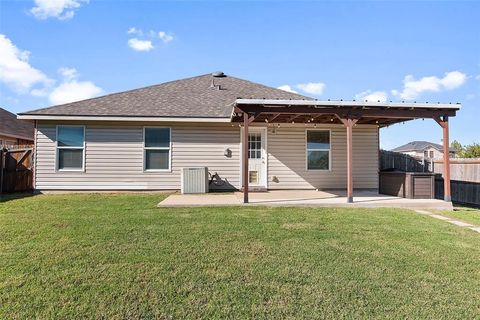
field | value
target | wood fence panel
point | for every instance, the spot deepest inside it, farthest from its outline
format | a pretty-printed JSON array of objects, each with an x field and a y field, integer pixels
[
  {"x": 390, "y": 160},
  {"x": 463, "y": 192},
  {"x": 16, "y": 170},
  {"x": 463, "y": 169}
]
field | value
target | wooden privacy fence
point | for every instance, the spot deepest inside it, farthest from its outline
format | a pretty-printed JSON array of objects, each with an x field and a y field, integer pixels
[
  {"x": 463, "y": 192},
  {"x": 390, "y": 160},
  {"x": 16, "y": 169},
  {"x": 461, "y": 169},
  {"x": 464, "y": 173}
]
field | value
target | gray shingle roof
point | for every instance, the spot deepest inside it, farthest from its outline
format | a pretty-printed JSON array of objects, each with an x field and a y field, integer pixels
[
  {"x": 419, "y": 146},
  {"x": 191, "y": 97},
  {"x": 11, "y": 126}
]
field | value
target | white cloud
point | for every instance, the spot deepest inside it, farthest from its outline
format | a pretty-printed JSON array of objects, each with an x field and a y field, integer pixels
[
  {"x": 145, "y": 41},
  {"x": 370, "y": 95},
  {"x": 71, "y": 89},
  {"x": 287, "y": 88},
  {"x": 140, "y": 45},
  {"x": 453, "y": 80},
  {"x": 133, "y": 30},
  {"x": 477, "y": 77},
  {"x": 413, "y": 88},
  {"x": 39, "y": 92},
  {"x": 15, "y": 70},
  {"x": 68, "y": 73},
  {"x": 315, "y": 88},
  {"x": 60, "y": 9},
  {"x": 165, "y": 37}
]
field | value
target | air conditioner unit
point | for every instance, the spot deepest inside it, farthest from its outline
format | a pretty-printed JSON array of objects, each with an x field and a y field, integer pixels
[{"x": 195, "y": 180}]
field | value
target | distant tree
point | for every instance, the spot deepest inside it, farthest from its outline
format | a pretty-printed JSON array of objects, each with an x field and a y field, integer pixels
[
  {"x": 471, "y": 151},
  {"x": 457, "y": 146}
]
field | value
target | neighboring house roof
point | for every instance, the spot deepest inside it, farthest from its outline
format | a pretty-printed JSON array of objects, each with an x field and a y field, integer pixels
[
  {"x": 12, "y": 127},
  {"x": 419, "y": 146},
  {"x": 192, "y": 97}
]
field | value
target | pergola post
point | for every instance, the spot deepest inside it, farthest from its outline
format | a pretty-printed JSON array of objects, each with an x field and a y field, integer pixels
[
  {"x": 443, "y": 122},
  {"x": 245, "y": 157},
  {"x": 349, "y": 123}
]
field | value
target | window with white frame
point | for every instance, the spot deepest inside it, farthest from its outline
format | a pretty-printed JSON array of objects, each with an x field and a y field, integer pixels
[
  {"x": 156, "y": 149},
  {"x": 318, "y": 150},
  {"x": 70, "y": 148}
]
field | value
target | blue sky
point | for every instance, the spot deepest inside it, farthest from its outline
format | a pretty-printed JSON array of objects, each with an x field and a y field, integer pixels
[{"x": 418, "y": 51}]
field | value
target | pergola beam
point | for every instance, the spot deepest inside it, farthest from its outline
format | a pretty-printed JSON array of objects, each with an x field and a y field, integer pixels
[
  {"x": 275, "y": 116},
  {"x": 349, "y": 123},
  {"x": 443, "y": 122},
  {"x": 295, "y": 116},
  {"x": 350, "y": 111},
  {"x": 246, "y": 121}
]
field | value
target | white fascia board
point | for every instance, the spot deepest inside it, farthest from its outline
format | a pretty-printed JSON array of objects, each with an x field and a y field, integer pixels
[
  {"x": 318, "y": 103},
  {"x": 118, "y": 118}
]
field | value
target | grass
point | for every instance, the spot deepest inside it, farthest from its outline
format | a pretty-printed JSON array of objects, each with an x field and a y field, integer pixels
[
  {"x": 118, "y": 256},
  {"x": 470, "y": 215}
]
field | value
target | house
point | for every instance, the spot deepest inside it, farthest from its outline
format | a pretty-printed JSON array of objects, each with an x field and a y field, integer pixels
[
  {"x": 423, "y": 150},
  {"x": 250, "y": 136},
  {"x": 13, "y": 131}
]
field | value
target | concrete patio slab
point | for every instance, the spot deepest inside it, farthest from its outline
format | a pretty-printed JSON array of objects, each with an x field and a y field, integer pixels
[
  {"x": 308, "y": 198},
  {"x": 200, "y": 200}
]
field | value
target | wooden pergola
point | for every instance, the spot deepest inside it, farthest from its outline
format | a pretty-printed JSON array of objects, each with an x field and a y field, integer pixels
[{"x": 348, "y": 113}]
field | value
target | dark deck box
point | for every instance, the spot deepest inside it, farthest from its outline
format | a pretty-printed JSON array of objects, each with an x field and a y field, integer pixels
[{"x": 412, "y": 185}]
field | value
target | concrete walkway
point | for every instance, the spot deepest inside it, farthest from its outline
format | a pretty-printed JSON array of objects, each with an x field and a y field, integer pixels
[
  {"x": 450, "y": 220},
  {"x": 309, "y": 198}
]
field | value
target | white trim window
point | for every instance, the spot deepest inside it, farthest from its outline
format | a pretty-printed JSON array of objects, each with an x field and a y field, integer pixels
[
  {"x": 156, "y": 149},
  {"x": 318, "y": 149},
  {"x": 70, "y": 148}
]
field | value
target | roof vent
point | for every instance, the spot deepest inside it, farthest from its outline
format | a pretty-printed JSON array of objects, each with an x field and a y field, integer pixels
[{"x": 218, "y": 74}]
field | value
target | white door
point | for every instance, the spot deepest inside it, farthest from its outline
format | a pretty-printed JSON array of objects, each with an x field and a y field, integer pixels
[{"x": 257, "y": 163}]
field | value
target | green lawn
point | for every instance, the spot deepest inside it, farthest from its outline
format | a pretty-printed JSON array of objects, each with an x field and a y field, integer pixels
[
  {"x": 465, "y": 214},
  {"x": 118, "y": 256}
]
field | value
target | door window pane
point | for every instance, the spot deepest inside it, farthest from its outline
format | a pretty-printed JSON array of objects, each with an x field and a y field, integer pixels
[{"x": 255, "y": 145}]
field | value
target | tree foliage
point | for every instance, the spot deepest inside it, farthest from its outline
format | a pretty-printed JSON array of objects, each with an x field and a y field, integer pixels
[
  {"x": 468, "y": 151},
  {"x": 472, "y": 151}
]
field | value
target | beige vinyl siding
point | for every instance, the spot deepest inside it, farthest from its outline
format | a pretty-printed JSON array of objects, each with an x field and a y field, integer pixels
[
  {"x": 287, "y": 159},
  {"x": 114, "y": 157}
]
